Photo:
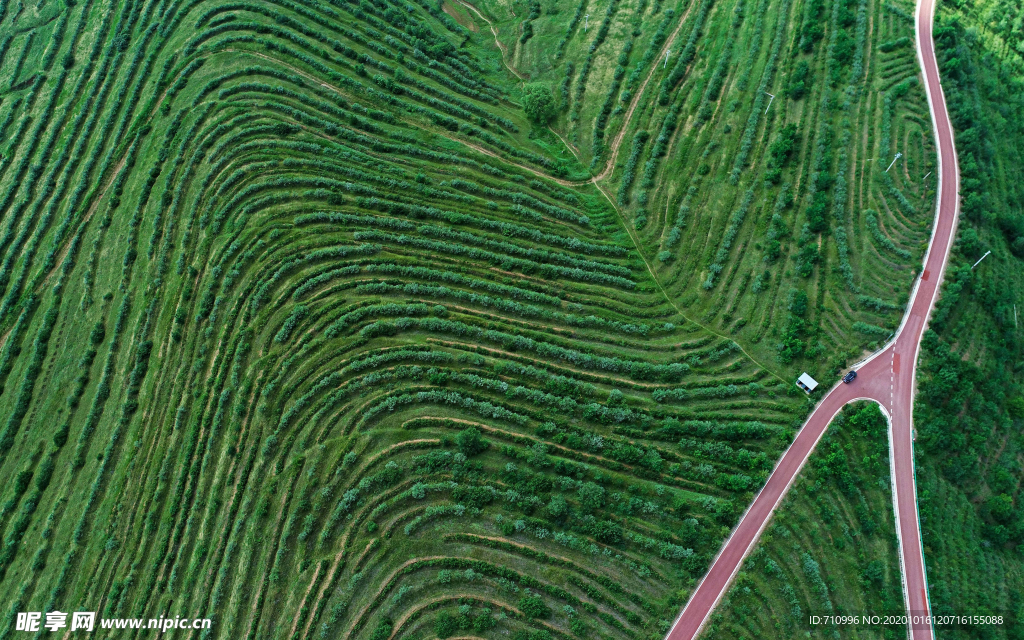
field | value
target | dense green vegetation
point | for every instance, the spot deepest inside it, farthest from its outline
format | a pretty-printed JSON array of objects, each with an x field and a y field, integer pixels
[
  {"x": 970, "y": 411},
  {"x": 306, "y": 327},
  {"x": 831, "y": 547},
  {"x": 745, "y": 203},
  {"x": 344, "y": 318}
]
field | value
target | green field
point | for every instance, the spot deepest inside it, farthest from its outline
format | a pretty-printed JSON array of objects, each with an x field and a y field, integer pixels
[
  {"x": 743, "y": 213},
  {"x": 831, "y": 549},
  {"x": 970, "y": 408},
  {"x": 970, "y": 411},
  {"x": 307, "y": 327}
]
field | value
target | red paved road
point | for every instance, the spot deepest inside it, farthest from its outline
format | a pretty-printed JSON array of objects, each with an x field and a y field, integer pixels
[{"x": 887, "y": 378}]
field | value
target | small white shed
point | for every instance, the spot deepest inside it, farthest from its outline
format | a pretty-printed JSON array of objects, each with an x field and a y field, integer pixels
[{"x": 806, "y": 382}]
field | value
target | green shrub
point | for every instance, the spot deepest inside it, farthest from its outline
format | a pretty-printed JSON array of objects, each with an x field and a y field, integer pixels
[
  {"x": 445, "y": 625},
  {"x": 534, "y": 607},
  {"x": 893, "y": 45},
  {"x": 799, "y": 81},
  {"x": 470, "y": 443},
  {"x": 538, "y": 104}
]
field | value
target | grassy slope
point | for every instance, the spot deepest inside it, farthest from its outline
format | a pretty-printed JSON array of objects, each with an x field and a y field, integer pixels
[
  {"x": 970, "y": 406},
  {"x": 970, "y": 411},
  {"x": 231, "y": 387},
  {"x": 831, "y": 548},
  {"x": 730, "y": 246},
  {"x": 259, "y": 279}
]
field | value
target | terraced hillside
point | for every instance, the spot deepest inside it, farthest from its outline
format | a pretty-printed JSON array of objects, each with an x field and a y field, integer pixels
[
  {"x": 744, "y": 202},
  {"x": 289, "y": 342},
  {"x": 307, "y": 328},
  {"x": 831, "y": 548}
]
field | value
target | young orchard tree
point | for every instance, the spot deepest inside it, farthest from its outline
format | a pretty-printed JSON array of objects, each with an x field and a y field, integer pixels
[
  {"x": 538, "y": 103},
  {"x": 470, "y": 443}
]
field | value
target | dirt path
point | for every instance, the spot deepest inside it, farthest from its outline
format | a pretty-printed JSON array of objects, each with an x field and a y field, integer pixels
[
  {"x": 336, "y": 566},
  {"x": 657, "y": 282},
  {"x": 617, "y": 141},
  {"x": 609, "y": 165},
  {"x": 386, "y": 585},
  {"x": 501, "y": 47},
  {"x": 302, "y": 605}
]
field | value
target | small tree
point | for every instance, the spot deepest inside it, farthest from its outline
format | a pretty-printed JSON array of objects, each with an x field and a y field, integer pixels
[
  {"x": 534, "y": 607},
  {"x": 538, "y": 103},
  {"x": 591, "y": 495},
  {"x": 557, "y": 507},
  {"x": 469, "y": 442},
  {"x": 383, "y": 630},
  {"x": 445, "y": 625}
]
